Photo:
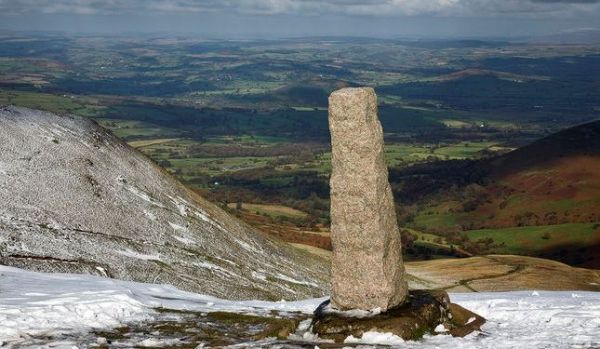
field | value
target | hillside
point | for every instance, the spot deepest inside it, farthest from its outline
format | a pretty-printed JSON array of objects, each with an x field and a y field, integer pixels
[
  {"x": 579, "y": 141},
  {"x": 74, "y": 198},
  {"x": 499, "y": 273},
  {"x": 542, "y": 199}
]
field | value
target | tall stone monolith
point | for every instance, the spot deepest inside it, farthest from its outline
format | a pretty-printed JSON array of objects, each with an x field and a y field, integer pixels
[{"x": 367, "y": 268}]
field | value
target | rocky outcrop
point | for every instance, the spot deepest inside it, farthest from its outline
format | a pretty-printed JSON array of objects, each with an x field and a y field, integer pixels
[
  {"x": 367, "y": 268},
  {"x": 425, "y": 312},
  {"x": 74, "y": 198}
]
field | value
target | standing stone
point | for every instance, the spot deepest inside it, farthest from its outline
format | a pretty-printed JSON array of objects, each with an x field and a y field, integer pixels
[{"x": 367, "y": 268}]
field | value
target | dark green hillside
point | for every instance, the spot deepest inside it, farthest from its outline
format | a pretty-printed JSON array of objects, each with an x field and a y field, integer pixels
[
  {"x": 490, "y": 92},
  {"x": 542, "y": 199},
  {"x": 582, "y": 140}
]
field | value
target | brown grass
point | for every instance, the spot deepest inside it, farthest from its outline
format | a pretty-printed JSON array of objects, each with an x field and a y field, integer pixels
[{"x": 503, "y": 273}]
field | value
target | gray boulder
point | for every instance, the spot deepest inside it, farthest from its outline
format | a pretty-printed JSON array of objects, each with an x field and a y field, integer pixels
[{"x": 367, "y": 269}]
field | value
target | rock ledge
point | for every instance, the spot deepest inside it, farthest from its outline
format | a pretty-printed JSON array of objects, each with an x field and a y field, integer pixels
[{"x": 422, "y": 313}]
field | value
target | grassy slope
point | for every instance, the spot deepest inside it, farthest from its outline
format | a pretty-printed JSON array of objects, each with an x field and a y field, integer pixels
[
  {"x": 543, "y": 199},
  {"x": 533, "y": 239},
  {"x": 561, "y": 191}
]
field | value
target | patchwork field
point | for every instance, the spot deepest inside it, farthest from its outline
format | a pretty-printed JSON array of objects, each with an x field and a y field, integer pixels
[{"x": 246, "y": 121}]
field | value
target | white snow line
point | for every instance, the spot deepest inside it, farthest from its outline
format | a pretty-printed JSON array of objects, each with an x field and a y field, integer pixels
[{"x": 133, "y": 254}]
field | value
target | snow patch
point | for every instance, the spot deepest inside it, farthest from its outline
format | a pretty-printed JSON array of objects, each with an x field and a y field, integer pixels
[
  {"x": 102, "y": 271},
  {"x": 214, "y": 268},
  {"x": 227, "y": 261},
  {"x": 150, "y": 215},
  {"x": 294, "y": 281},
  {"x": 203, "y": 217},
  {"x": 177, "y": 227},
  {"x": 259, "y": 275},
  {"x": 246, "y": 246},
  {"x": 386, "y": 338},
  {"x": 181, "y": 205},
  {"x": 133, "y": 254},
  {"x": 155, "y": 343},
  {"x": 208, "y": 220},
  {"x": 185, "y": 240},
  {"x": 144, "y": 196},
  {"x": 440, "y": 329},
  {"x": 65, "y": 304}
]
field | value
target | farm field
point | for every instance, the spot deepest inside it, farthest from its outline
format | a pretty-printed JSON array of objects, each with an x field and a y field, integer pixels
[
  {"x": 528, "y": 240},
  {"x": 273, "y": 211}
]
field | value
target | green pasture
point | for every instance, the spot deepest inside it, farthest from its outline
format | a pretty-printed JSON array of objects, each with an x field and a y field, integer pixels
[{"x": 532, "y": 239}]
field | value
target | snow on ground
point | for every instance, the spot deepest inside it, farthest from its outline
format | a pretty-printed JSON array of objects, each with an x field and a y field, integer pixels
[{"x": 37, "y": 304}]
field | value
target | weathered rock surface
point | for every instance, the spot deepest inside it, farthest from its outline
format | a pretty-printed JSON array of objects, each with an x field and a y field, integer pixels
[
  {"x": 423, "y": 312},
  {"x": 74, "y": 198},
  {"x": 367, "y": 269}
]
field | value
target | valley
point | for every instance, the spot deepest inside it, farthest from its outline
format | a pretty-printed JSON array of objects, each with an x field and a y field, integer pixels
[{"x": 244, "y": 124}]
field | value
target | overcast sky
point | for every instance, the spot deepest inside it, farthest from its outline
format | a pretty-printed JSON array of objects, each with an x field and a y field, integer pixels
[{"x": 282, "y": 18}]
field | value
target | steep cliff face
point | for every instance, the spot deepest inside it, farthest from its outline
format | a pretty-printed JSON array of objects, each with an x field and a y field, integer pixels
[{"x": 74, "y": 198}]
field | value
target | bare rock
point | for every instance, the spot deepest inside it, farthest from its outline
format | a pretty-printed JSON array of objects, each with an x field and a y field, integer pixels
[
  {"x": 463, "y": 321},
  {"x": 425, "y": 312},
  {"x": 367, "y": 268}
]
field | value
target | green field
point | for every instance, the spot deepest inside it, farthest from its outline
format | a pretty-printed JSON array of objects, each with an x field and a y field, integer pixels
[
  {"x": 463, "y": 150},
  {"x": 220, "y": 165},
  {"x": 534, "y": 239},
  {"x": 50, "y": 102},
  {"x": 273, "y": 211},
  {"x": 437, "y": 221}
]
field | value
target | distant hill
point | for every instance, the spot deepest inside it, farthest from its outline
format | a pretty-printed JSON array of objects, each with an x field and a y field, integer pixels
[
  {"x": 466, "y": 73},
  {"x": 578, "y": 141},
  {"x": 546, "y": 196},
  {"x": 576, "y": 36},
  {"x": 308, "y": 93},
  {"x": 75, "y": 198},
  {"x": 555, "y": 178}
]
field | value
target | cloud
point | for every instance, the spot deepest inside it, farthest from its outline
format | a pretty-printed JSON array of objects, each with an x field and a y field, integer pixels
[
  {"x": 568, "y": 1},
  {"x": 523, "y": 8}
]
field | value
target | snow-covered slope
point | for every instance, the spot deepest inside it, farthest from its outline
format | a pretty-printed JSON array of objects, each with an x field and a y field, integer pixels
[
  {"x": 38, "y": 308},
  {"x": 74, "y": 198}
]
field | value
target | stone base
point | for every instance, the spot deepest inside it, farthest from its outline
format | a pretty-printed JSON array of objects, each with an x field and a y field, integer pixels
[{"x": 422, "y": 313}]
